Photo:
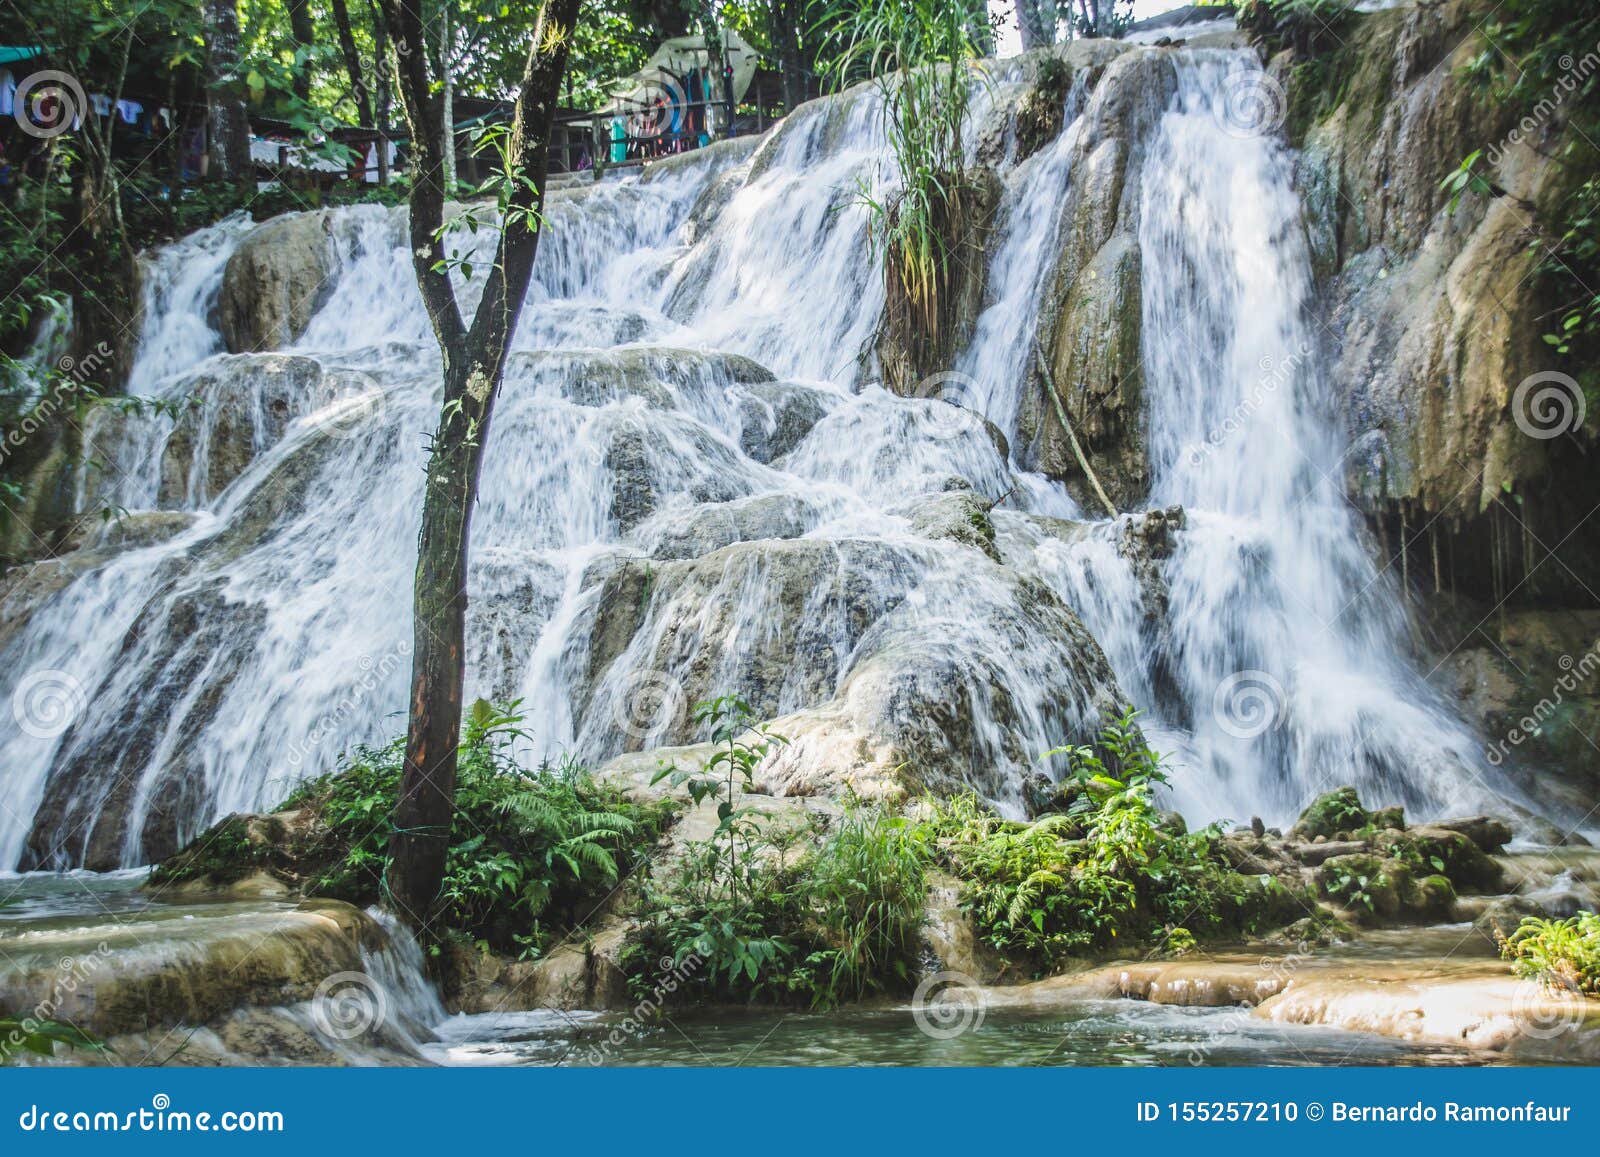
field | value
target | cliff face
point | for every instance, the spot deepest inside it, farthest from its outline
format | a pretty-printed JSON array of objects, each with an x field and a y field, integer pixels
[{"x": 1467, "y": 432}]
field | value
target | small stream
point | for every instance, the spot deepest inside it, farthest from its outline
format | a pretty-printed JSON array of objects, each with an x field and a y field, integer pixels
[{"x": 67, "y": 920}]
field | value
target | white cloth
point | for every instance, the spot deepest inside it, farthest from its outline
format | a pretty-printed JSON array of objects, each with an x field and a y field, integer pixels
[
  {"x": 129, "y": 111},
  {"x": 8, "y": 93}
]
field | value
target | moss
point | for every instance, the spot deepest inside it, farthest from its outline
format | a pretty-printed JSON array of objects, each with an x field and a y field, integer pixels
[
  {"x": 237, "y": 847},
  {"x": 1330, "y": 813},
  {"x": 1042, "y": 110}
]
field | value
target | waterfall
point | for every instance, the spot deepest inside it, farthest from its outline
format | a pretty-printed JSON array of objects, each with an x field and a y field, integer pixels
[{"x": 693, "y": 488}]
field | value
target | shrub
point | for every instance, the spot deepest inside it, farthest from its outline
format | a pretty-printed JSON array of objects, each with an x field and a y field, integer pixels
[
  {"x": 824, "y": 914},
  {"x": 1107, "y": 871},
  {"x": 1559, "y": 953},
  {"x": 529, "y": 850}
]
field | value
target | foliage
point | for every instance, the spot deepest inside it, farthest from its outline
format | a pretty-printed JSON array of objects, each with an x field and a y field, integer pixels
[
  {"x": 40, "y": 1037},
  {"x": 1563, "y": 954},
  {"x": 529, "y": 850},
  {"x": 1107, "y": 871},
  {"x": 740, "y": 743},
  {"x": 827, "y": 913},
  {"x": 1310, "y": 27},
  {"x": 918, "y": 53},
  {"x": 1533, "y": 61}
]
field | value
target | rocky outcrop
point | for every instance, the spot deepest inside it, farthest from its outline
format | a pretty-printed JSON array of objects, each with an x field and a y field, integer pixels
[
  {"x": 887, "y": 670},
  {"x": 1436, "y": 310},
  {"x": 1088, "y": 359},
  {"x": 275, "y": 282}
]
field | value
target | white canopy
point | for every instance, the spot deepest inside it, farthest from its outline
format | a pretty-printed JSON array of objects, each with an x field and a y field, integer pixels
[{"x": 664, "y": 73}]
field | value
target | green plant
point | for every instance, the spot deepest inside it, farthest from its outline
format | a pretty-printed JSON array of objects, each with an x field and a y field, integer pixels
[
  {"x": 740, "y": 742},
  {"x": 1559, "y": 953},
  {"x": 529, "y": 850},
  {"x": 827, "y": 913},
  {"x": 919, "y": 54},
  {"x": 40, "y": 1037},
  {"x": 1108, "y": 870}
]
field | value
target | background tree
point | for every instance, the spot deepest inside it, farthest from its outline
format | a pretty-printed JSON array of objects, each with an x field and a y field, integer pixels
[
  {"x": 474, "y": 364},
  {"x": 229, "y": 137}
]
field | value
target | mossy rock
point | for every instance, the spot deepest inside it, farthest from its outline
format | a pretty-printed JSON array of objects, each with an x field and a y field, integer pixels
[
  {"x": 1450, "y": 853},
  {"x": 1366, "y": 885},
  {"x": 1428, "y": 898},
  {"x": 1330, "y": 813}
]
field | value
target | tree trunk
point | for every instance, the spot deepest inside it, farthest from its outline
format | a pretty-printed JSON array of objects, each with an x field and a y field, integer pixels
[
  {"x": 352, "y": 63},
  {"x": 384, "y": 109},
  {"x": 1036, "y": 19},
  {"x": 788, "y": 16},
  {"x": 474, "y": 362},
  {"x": 229, "y": 127},
  {"x": 447, "y": 83},
  {"x": 305, "y": 39}
]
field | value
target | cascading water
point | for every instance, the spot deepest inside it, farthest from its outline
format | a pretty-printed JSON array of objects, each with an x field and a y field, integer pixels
[
  {"x": 1279, "y": 646},
  {"x": 689, "y": 491}
]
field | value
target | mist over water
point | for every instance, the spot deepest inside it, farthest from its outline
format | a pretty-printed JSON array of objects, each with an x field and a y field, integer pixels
[{"x": 674, "y": 322}]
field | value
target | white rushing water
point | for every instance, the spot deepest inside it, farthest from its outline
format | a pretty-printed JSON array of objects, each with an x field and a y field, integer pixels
[{"x": 240, "y": 645}]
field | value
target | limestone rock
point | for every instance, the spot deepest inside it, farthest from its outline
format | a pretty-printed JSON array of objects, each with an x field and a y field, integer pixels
[{"x": 275, "y": 282}]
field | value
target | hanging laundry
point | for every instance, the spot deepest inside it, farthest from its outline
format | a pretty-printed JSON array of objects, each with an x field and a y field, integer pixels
[
  {"x": 129, "y": 111},
  {"x": 101, "y": 103},
  {"x": 8, "y": 93}
]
